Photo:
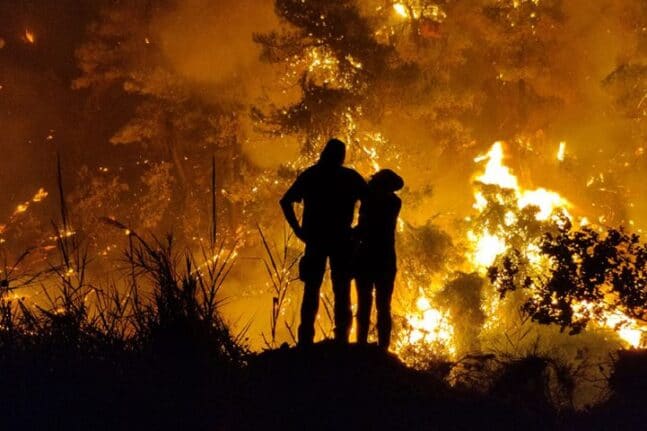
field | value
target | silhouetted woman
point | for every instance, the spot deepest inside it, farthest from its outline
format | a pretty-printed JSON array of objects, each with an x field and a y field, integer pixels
[{"x": 375, "y": 265}]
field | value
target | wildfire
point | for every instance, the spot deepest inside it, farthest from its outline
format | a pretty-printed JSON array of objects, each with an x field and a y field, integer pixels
[
  {"x": 23, "y": 207},
  {"x": 497, "y": 173},
  {"x": 487, "y": 247},
  {"x": 629, "y": 330},
  {"x": 490, "y": 241},
  {"x": 430, "y": 326},
  {"x": 418, "y": 10}
]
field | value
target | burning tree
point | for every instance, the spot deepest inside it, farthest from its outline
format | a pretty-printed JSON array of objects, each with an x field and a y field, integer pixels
[
  {"x": 590, "y": 278},
  {"x": 526, "y": 242},
  {"x": 330, "y": 52},
  {"x": 354, "y": 68},
  {"x": 176, "y": 129}
]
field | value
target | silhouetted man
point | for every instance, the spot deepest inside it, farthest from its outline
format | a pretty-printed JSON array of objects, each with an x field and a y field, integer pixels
[{"x": 329, "y": 193}]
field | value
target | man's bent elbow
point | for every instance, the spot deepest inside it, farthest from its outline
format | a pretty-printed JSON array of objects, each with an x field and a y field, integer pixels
[{"x": 286, "y": 205}]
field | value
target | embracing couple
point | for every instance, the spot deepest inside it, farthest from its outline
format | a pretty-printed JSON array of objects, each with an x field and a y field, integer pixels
[{"x": 329, "y": 192}]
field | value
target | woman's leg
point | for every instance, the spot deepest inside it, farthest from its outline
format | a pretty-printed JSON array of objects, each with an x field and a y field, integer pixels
[
  {"x": 384, "y": 291},
  {"x": 364, "y": 303}
]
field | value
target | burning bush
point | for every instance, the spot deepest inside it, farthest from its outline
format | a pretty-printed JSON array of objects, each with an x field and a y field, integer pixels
[
  {"x": 590, "y": 277},
  {"x": 462, "y": 299}
]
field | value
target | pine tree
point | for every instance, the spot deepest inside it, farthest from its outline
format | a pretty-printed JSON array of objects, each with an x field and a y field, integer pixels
[{"x": 171, "y": 123}]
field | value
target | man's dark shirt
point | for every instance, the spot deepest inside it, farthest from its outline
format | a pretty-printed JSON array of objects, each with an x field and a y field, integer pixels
[{"x": 329, "y": 195}]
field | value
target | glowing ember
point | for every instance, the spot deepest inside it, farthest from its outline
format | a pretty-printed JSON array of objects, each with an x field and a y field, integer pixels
[
  {"x": 356, "y": 64},
  {"x": 21, "y": 208},
  {"x": 373, "y": 157},
  {"x": 561, "y": 152},
  {"x": 401, "y": 10},
  {"x": 30, "y": 36},
  {"x": 40, "y": 195}
]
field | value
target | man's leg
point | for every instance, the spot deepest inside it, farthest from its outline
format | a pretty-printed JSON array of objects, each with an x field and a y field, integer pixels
[
  {"x": 341, "y": 277},
  {"x": 383, "y": 293},
  {"x": 343, "y": 313},
  {"x": 364, "y": 304},
  {"x": 311, "y": 272}
]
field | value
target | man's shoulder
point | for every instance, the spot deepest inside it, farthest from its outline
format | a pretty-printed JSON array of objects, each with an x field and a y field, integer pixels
[
  {"x": 352, "y": 173},
  {"x": 309, "y": 170},
  {"x": 307, "y": 173}
]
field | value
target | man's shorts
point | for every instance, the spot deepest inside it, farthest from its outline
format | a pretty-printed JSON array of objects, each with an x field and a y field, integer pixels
[{"x": 312, "y": 265}]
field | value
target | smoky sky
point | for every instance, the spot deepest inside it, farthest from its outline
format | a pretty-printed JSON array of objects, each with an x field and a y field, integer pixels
[
  {"x": 206, "y": 42},
  {"x": 209, "y": 43}
]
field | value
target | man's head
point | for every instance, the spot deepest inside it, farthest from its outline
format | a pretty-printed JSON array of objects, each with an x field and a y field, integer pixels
[{"x": 333, "y": 153}]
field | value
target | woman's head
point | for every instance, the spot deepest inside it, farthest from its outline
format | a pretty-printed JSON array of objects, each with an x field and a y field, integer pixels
[{"x": 386, "y": 181}]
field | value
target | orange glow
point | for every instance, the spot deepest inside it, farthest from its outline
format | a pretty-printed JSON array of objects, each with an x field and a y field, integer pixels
[
  {"x": 40, "y": 195},
  {"x": 431, "y": 326},
  {"x": 401, "y": 10},
  {"x": 21, "y": 208},
  {"x": 30, "y": 36},
  {"x": 561, "y": 152}
]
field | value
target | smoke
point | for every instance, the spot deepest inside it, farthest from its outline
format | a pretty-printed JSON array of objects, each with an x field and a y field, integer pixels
[{"x": 211, "y": 42}]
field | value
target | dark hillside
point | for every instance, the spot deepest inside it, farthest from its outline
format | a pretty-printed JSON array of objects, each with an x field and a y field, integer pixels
[{"x": 354, "y": 387}]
